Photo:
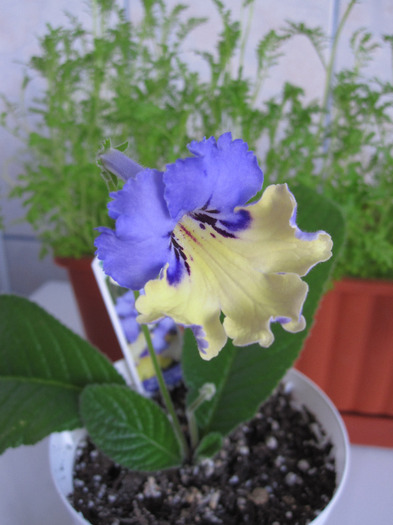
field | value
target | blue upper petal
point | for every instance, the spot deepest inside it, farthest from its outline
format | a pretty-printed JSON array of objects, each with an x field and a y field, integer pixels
[
  {"x": 140, "y": 245},
  {"x": 222, "y": 174}
]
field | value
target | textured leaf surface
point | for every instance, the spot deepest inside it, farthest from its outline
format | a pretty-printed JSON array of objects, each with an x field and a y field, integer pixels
[
  {"x": 43, "y": 368},
  {"x": 244, "y": 377},
  {"x": 129, "y": 428},
  {"x": 21, "y": 422}
]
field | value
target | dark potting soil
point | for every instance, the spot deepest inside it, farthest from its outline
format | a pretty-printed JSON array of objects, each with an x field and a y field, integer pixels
[{"x": 275, "y": 470}]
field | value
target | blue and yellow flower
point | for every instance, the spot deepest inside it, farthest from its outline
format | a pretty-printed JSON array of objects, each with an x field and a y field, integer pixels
[{"x": 192, "y": 240}]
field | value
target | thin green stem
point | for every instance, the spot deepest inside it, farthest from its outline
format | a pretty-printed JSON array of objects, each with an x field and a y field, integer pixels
[
  {"x": 193, "y": 429},
  {"x": 321, "y": 130},
  {"x": 330, "y": 65},
  {"x": 164, "y": 391},
  {"x": 94, "y": 13},
  {"x": 246, "y": 35},
  {"x": 206, "y": 392}
]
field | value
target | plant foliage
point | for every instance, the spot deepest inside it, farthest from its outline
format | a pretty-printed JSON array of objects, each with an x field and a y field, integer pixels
[
  {"x": 117, "y": 80},
  {"x": 134, "y": 83},
  {"x": 52, "y": 380},
  {"x": 43, "y": 370}
]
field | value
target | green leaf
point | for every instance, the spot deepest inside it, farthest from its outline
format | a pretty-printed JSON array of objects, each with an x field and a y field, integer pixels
[
  {"x": 31, "y": 410},
  {"x": 209, "y": 446},
  {"x": 244, "y": 377},
  {"x": 43, "y": 368},
  {"x": 129, "y": 428}
]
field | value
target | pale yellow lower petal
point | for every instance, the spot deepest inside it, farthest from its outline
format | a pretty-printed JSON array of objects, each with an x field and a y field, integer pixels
[
  {"x": 253, "y": 278},
  {"x": 271, "y": 296},
  {"x": 188, "y": 303},
  {"x": 295, "y": 326},
  {"x": 274, "y": 246}
]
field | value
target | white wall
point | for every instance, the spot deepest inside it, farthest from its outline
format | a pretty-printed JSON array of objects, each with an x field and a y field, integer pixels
[{"x": 22, "y": 21}]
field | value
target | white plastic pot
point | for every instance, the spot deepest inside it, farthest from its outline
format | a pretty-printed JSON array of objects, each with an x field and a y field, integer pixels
[{"x": 63, "y": 445}]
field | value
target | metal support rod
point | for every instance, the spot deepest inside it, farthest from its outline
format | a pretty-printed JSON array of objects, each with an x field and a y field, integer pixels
[
  {"x": 333, "y": 27},
  {"x": 127, "y": 9},
  {"x": 334, "y": 22},
  {"x": 5, "y": 285}
]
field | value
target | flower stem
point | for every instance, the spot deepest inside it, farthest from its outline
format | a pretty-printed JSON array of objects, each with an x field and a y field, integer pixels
[
  {"x": 206, "y": 393},
  {"x": 324, "y": 121},
  {"x": 165, "y": 394}
]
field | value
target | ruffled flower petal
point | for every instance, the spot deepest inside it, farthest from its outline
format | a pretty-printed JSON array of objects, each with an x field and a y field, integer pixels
[
  {"x": 276, "y": 244},
  {"x": 251, "y": 277},
  {"x": 140, "y": 246},
  {"x": 221, "y": 175},
  {"x": 199, "y": 310}
]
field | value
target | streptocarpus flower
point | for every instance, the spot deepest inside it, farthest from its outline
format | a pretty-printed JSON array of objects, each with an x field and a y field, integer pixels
[{"x": 188, "y": 236}]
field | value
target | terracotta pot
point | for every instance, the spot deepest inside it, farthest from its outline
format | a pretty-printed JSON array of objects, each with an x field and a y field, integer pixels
[
  {"x": 95, "y": 318},
  {"x": 349, "y": 354},
  {"x": 63, "y": 445}
]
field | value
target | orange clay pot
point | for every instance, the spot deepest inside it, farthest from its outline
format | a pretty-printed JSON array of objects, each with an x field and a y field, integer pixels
[
  {"x": 349, "y": 354},
  {"x": 95, "y": 318}
]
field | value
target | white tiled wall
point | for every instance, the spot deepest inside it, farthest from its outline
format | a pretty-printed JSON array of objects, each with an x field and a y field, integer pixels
[{"x": 22, "y": 21}]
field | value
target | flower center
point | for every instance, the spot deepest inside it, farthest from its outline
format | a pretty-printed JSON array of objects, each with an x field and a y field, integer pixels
[
  {"x": 209, "y": 217},
  {"x": 197, "y": 239}
]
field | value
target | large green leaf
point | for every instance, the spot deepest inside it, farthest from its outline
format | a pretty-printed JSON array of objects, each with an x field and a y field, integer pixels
[
  {"x": 244, "y": 377},
  {"x": 31, "y": 410},
  {"x": 43, "y": 368},
  {"x": 130, "y": 429}
]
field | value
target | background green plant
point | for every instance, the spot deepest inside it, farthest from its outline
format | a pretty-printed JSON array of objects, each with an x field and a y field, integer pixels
[
  {"x": 340, "y": 144},
  {"x": 135, "y": 84},
  {"x": 348, "y": 157},
  {"x": 116, "y": 80}
]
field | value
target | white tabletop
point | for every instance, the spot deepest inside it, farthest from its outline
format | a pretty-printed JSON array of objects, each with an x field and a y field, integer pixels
[{"x": 28, "y": 497}]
